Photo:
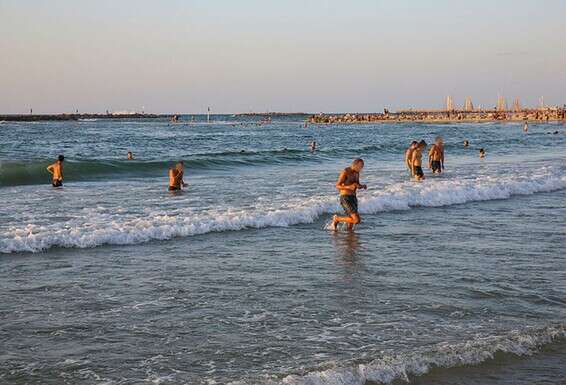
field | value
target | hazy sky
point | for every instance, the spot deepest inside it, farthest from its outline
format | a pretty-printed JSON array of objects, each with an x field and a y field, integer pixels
[{"x": 287, "y": 55}]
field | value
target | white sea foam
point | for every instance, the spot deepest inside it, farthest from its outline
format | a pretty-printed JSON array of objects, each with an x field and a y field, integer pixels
[
  {"x": 98, "y": 229},
  {"x": 418, "y": 362}
]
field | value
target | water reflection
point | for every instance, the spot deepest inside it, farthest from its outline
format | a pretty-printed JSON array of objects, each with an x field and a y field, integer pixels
[{"x": 347, "y": 246}]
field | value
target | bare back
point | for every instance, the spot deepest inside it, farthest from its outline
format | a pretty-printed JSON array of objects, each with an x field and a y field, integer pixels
[
  {"x": 435, "y": 153},
  {"x": 56, "y": 169}
]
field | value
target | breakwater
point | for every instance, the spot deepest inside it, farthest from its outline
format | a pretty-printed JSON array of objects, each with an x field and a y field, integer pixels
[
  {"x": 541, "y": 115},
  {"x": 63, "y": 117}
]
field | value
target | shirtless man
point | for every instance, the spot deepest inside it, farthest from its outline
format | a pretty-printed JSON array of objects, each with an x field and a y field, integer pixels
[
  {"x": 176, "y": 177},
  {"x": 436, "y": 156},
  {"x": 56, "y": 171},
  {"x": 348, "y": 183},
  {"x": 417, "y": 161},
  {"x": 409, "y": 154}
]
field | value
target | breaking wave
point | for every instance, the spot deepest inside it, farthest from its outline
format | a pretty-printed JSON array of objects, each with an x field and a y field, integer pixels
[
  {"x": 96, "y": 228},
  {"x": 403, "y": 367}
]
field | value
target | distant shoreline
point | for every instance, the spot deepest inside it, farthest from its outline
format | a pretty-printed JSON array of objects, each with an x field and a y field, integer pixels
[
  {"x": 483, "y": 116},
  {"x": 433, "y": 116},
  {"x": 74, "y": 117}
]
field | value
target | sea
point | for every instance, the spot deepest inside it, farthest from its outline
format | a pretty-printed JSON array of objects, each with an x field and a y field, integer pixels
[{"x": 112, "y": 279}]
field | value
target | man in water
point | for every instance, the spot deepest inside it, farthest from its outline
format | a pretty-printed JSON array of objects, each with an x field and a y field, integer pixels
[
  {"x": 436, "y": 156},
  {"x": 482, "y": 153},
  {"x": 466, "y": 143},
  {"x": 313, "y": 146},
  {"x": 409, "y": 154},
  {"x": 130, "y": 155},
  {"x": 417, "y": 161},
  {"x": 56, "y": 170},
  {"x": 348, "y": 183},
  {"x": 526, "y": 126},
  {"x": 176, "y": 177}
]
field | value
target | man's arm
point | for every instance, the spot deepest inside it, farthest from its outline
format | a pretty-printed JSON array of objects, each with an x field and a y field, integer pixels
[
  {"x": 340, "y": 183},
  {"x": 442, "y": 158},
  {"x": 182, "y": 180},
  {"x": 50, "y": 169}
]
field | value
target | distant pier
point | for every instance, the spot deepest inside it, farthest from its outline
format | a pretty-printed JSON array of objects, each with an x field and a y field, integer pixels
[{"x": 63, "y": 117}]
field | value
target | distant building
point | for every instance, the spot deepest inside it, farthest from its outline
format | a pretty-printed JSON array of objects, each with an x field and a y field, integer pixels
[
  {"x": 501, "y": 103},
  {"x": 516, "y": 105},
  {"x": 449, "y": 103},
  {"x": 468, "y": 105}
]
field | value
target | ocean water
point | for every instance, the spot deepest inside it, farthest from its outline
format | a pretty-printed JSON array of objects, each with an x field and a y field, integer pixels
[{"x": 460, "y": 279}]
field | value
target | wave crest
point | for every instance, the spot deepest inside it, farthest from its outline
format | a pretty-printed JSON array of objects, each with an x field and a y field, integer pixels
[
  {"x": 97, "y": 229},
  {"x": 391, "y": 368}
]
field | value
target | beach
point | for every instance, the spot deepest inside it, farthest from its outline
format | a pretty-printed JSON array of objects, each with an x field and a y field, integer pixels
[{"x": 236, "y": 280}]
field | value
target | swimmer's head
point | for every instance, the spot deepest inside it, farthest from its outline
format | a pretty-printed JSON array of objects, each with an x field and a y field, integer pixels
[
  {"x": 422, "y": 144},
  {"x": 60, "y": 158},
  {"x": 439, "y": 140},
  {"x": 180, "y": 165},
  {"x": 358, "y": 164},
  {"x": 130, "y": 155},
  {"x": 414, "y": 144}
]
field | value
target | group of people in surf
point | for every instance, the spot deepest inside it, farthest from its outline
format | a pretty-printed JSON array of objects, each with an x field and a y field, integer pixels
[
  {"x": 349, "y": 180},
  {"x": 176, "y": 182}
]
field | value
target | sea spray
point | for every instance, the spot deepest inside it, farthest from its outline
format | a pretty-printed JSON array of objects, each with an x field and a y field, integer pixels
[{"x": 98, "y": 229}]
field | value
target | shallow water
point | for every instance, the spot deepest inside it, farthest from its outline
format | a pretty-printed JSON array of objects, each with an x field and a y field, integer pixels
[{"x": 114, "y": 280}]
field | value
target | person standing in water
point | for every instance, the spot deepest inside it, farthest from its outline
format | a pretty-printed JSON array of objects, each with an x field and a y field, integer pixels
[
  {"x": 417, "y": 161},
  {"x": 348, "y": 183},
  {"x": 436, "y": 156},
  {"x": 130, "y": 155},
  {"x": 526, "y": 127},
  {"x": 176, "y": 182},
  {"x": 482, "y": 153},
  {"x": 313, "y": 146},
  {"x": 409, "y": 154},
  {"x": 56, "y": 171}
]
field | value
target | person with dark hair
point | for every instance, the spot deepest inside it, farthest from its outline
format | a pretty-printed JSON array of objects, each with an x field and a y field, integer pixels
[
  {"x": 348, "y": 183},
  {"x": 56, "y": 171},
  {"x": 417, "y": 161},
  {"x": 313, "y": 146},
  {"x": 176, "y": 182},
  {"x": 130, "y": 155},
  {"x": 482, "y": 153},
  {"x": 409, "y": 154}
]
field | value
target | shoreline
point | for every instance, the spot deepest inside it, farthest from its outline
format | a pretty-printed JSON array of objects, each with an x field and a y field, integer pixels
[
  {"x": 435, "y": 117},
  {"x": 74, "y": 117}
]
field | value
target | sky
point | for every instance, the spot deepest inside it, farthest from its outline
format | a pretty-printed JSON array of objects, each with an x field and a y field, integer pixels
[{"x": 174, "y": 56}]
